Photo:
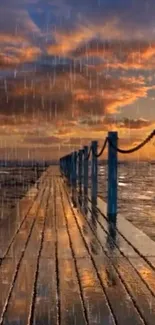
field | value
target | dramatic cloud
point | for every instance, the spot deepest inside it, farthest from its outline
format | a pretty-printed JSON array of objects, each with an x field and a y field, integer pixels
[
  {"x": 118, "y": 54},
  {"x": 71, "y": 67},
  {"x": 70, "y": 94}
]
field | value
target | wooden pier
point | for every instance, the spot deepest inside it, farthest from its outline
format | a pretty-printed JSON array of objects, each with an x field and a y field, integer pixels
[{"x": 59, "y": 266}]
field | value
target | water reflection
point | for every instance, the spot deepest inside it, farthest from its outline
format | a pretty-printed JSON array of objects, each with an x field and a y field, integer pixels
[
  {"x": 85, "y": 204},
  {"x": 111, "y": 278},
  {"x": 74, "y": 196},
  {"x": 95, "y": 248},
  {"x": 80, "y": 198},
  {"x": 111, "y": 246},
  {"x": 111, "y": 236},
  {"x": 94, "y": 214}
]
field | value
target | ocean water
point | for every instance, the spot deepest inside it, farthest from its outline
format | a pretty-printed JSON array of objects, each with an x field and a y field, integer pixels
[
  {"x": 136, "y": 193},
  {"x": 14, "y": 183}
]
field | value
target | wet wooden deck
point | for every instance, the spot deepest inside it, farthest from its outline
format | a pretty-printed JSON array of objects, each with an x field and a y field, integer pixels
[{"x": 59, "y": 267}]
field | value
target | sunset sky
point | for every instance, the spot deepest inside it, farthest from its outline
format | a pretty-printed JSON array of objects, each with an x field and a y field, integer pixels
[{"x": 71, "y": 70}]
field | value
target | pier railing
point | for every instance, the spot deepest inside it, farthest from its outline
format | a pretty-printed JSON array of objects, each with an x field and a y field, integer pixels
[{"x": 75, "y": 167}]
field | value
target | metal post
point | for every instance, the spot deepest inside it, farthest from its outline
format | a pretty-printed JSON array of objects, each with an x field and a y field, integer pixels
[
  {"x": 112, "y": 178},
  {"x": 85, "y": 170},
  {"x": 63, "y": 165},
  {"x": 74, "y": 177},
  {"x": 60, "y": 163},
  {"x": 64, "y": 159},
  {"x": 74, "y": 169},
  {"x": 66, "y": 166},
  {"x": 80, "y": 175},
  {"x": 80, "y": 168},
  {"x": 67, "y": 169},
  {"x": 70, "y": 169},
  {"x": 94, "y": 172}
]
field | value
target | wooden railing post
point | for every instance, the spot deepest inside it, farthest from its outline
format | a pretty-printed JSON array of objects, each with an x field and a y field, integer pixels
[
  {"x": 94, "y": 173},
  {"x": 112, "y": 178},
  {"x": 86, "y": 161}
]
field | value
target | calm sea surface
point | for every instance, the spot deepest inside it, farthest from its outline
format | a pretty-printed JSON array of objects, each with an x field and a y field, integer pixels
[
  {"x": 14, "y": 183},
  {"x": 136, "y": 191}
]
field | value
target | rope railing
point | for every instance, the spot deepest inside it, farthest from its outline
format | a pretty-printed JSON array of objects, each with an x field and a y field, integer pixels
[
  {"x": 102, "y": 149},
  {"x": 139, "y": 146},
  {"x": 93, "y": 152},
  {"x": 75, "y": 167}
]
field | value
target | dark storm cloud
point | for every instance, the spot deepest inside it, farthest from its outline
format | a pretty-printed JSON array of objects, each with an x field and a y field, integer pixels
[
  {"x": 42, "y": 140},
  {"x": 67, "y": 91},
  {"x": 46, "y": 73},
  {"x": 119, "y": 54}
]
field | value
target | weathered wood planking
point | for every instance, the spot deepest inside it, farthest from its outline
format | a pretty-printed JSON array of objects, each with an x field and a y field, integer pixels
[
  {"x": 62, "y": 267},
  {"x": 21, "y": 292},
  {"x": 111, "y": 285},
  {"x": 71, "y": 305}
]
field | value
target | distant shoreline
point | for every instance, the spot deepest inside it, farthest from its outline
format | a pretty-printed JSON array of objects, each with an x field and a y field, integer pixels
[{"x": 45, "y": 164}]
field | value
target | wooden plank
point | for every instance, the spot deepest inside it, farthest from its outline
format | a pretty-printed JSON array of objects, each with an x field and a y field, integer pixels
[
  {"x": 97, "y": 306},
  {"x": 18, "y": 241},
  {"x": 11, "y": 225},
  {"x": 126, "y": 312},
  {"x": 140, "y": 241},
  {"x": 70, "y": 305},
  {"x": 48, "y": 250},
  {"x": 64, "y": 249},
  {"x": 45, "y": 311},
  {"x": 70, "y": 273},
  {"x": 138, "y": 290},
  {"x": 20, "y": 302},
  {"x": 124, "y": 249},
  {"x": 10, "y": 264},
  {"x": 141, "y": 295},
  {"x": 145, "y": 271},
  {"x": 141, "y": 266}
]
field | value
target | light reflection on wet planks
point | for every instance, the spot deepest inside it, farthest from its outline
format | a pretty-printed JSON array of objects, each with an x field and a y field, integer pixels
[{"x": 59, "y": 268}]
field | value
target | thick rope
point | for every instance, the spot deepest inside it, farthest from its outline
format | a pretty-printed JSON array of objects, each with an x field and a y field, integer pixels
[
  {"x": 139, "y": 146},
  {"x": 101, "y": 151}
]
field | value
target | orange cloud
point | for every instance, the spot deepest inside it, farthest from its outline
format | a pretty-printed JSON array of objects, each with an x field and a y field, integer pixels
[
  {"x": 61, "y": 94},
  {"x": 119, "y": 54},
  {"x": 66, "y": 42}
]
